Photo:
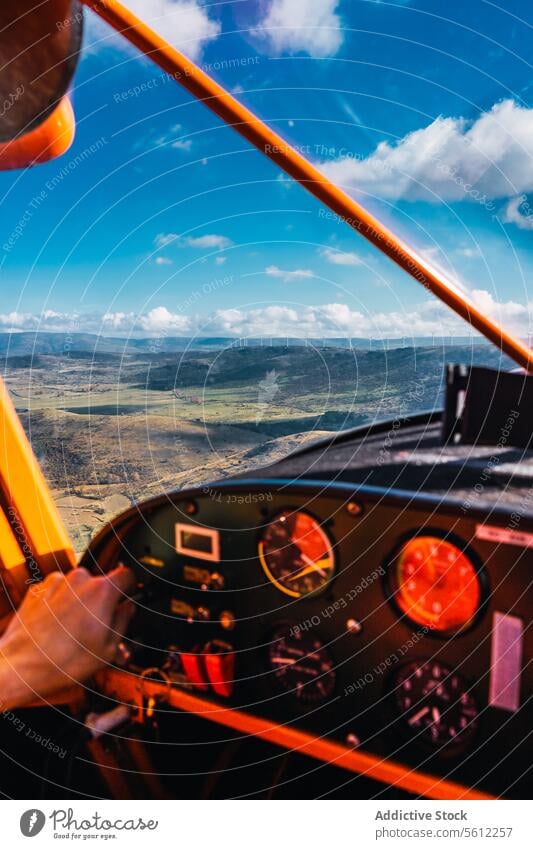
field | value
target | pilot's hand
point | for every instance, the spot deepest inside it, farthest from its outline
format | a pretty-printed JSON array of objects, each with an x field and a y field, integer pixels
[{"x": 67, "y": 628}]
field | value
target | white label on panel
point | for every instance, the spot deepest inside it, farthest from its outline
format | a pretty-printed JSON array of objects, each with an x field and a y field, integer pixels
[
  {"x": 495, "y": 534},
  {"x": 506, "y": 661}
]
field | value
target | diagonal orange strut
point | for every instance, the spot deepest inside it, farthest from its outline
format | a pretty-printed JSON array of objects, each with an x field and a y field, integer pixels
[
  {"x": 31, "y": 527},
  {"x": 223, "y": 104}
]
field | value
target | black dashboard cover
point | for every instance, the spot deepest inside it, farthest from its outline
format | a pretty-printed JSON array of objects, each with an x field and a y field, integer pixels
[
  {"x": 488, "y": 407},
  {"x": 409, "y": 454}
]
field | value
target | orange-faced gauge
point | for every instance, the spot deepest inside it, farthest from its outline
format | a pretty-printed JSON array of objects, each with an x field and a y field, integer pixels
[{"x": 436, "y": 584}]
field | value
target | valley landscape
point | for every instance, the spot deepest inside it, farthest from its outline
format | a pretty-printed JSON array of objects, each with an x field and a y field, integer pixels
[{"x": 113, "y": 422}]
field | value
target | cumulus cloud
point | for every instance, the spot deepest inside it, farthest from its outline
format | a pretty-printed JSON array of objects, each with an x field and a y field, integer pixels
[
  {"x": 160, "y": 318},
  {"x": 288, "y": 276},
  {"x": 17, "y": 321},
  {"x": 156, "y": 320},
  {"x": 341, "y": 257},
  {"x": 184, "y": 23},
  {"x": 164, "y": 239},
  {"x": 163, "y": 260},
  {"x": 335, "y": 319},
  {"x": 210, "y": 240},
  {"x": 518, "y": 211},
  {"x": 451, "y": 159},
  {"x": 314, "y": 321},
  {"x": 305, "y": 26}
]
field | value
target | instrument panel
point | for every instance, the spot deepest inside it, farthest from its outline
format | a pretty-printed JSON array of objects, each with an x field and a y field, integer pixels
[{"x": 391, "y": 622}]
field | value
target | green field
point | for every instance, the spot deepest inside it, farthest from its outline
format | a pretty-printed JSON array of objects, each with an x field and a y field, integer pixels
[{"x": 117, "y": 428}]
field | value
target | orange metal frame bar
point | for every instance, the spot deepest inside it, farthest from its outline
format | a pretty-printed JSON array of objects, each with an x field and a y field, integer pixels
[
  {"x": 223, "y": 104},
  {"x": 130, "y": 689},
  {"x": 38, "y": 530}
]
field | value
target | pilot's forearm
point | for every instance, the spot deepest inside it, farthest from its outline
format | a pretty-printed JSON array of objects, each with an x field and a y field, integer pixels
[{"x": 66, "y": 628}]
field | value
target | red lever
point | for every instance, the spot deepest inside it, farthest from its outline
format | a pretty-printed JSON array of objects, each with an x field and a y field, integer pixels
[
  {"x": 220, "y": 667},
  {"x": 194, "y": 668}
]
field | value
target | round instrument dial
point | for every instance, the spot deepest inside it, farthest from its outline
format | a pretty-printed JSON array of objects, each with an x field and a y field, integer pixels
[
  {"x": 434, "y": 703},
  {"x": 436, "y": 584},
  {"x": 296, "y": 554},
  {"x": 301, "y": 665}
]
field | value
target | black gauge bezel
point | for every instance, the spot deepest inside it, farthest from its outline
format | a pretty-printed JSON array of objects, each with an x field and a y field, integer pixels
[{"x": 266, "y": 568}]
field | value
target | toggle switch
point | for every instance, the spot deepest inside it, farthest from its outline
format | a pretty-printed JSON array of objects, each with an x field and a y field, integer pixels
[
  {"x": 220, "y": 667},
  {"x": 195, "y": 669}
]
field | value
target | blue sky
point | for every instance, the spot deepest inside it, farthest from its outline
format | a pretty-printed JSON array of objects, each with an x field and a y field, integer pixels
[{"x": 161, "y": 220}]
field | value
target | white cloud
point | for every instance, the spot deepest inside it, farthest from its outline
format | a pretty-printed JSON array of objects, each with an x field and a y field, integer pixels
[
  {"x": 288, "y": 276},
  {"x": 17, "y": 321},
  {"x": 515, "y": 317},
  {"x": 164, "y": 239},
  {"x": 333, "y": 319},
  {"x": 208, "y": 241},
  {"x": 184, "y": 23},
  {"x": 220, "y": 260},
  {"x": 341, "y": 257},
  {"x": 431, "y": 253},
  {"x": 162, "y": 319},
  {"x": 182, "y": 144},
  {"x": 451, "y": 159},
  {"x": 156, "y": 320},
  {"x": 514, "y": 214},
  {"x": 153, "y": 138},
  {"x": 163, "y": 260},
  {"x": 301, "y": 26}
]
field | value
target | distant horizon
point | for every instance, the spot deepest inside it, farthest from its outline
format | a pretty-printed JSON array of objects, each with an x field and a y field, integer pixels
[
  {"x": 162, "y": 341},
  {"x": 302, "y": 338}
]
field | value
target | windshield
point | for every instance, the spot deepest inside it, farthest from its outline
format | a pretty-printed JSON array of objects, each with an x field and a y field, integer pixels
[{"x": 176, "y": 310}]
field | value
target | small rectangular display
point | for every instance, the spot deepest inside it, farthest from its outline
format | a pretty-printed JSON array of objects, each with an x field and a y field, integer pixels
[{"x": 194, "y": 541}]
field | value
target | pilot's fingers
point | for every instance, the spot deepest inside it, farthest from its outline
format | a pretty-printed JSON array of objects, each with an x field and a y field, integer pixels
[
  {"x": 112, "y": 588},
  {"x": 57, "y": 582},
  {"x": 78, "y": 576},
  {"x": 120, "y": 581},
  {"x": 70, "y": 583},
  {"x": 47, "y": 586}
]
